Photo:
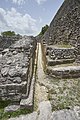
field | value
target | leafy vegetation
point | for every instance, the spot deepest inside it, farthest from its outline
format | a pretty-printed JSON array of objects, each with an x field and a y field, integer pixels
[
  {"x": 8, "y": 33},
  {"x": 43, "y": 30},
  {"x": 7, "y": 115}
]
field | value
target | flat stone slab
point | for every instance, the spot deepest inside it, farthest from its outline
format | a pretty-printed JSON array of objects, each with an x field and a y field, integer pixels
[
  {"x": 64, "y": 72},
  {"x": 44, "y": 110},
  {"x": 12, "y": 108},
  {"x": 68, "y": 68},
  {"x": 64, "y": 115}
]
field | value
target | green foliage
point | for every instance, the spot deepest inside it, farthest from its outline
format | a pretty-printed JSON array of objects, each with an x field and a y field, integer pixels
[
  {"x": 7, "y": 115},
  {"x": 8, "y": 33},
  {"x": 4, "y": 103},
  {"x": 43, "y": 30}
]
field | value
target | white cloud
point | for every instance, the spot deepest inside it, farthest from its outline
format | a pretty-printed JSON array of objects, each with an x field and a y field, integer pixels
[
  {"x": 40, "y": 20},
  {"x": 19, "y": 2},
  {"x": 40, "y": 1},
  {"x": 13, "y": 20}
]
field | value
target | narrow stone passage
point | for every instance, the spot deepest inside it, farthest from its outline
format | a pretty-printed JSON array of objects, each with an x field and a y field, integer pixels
[{"x": 41, "y": 91}]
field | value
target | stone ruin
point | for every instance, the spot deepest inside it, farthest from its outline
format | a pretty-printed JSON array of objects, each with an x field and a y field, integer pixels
[
  {"x": 61, "y": 48},
  {"x": 62, "y": 41},
  {"x": 61, "y": 45},
  {"x": 17, "y": 57},
  {"x": 65, "y": 26}
]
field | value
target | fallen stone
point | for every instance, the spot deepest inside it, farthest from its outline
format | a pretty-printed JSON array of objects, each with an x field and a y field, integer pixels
[{"x": 11, "y": 108}]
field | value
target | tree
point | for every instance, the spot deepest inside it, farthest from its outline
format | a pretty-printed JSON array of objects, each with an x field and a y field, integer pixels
[
  {"x": 8, "y": 33},
  {"x": 43, "y": 30}
]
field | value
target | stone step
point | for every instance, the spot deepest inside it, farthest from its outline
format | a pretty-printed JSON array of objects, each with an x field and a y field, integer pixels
[
  {"x": 64, "y": 72},
  {"x": 55, "y": 52},
  {"x": 51, "y": 62}
]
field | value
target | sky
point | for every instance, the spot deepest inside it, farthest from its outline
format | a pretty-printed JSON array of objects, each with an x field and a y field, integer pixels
[{"x": 27, "y": 17}]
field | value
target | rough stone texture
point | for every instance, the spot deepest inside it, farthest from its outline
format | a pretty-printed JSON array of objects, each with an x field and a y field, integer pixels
[
  {"x": 44, "y": 110},
  {"x": 32, "y": 116},
  {"x": 28, "y": 103},
  {"x": 65, "y": 27},
  {"x": 64, "y": 72},
  {"x": 16, "y": 68},
  {"x": 64, "y": 115},
  {"x": 5, "y": 42},
  {"x": 62, "y": 41},
  {"x": 12, "y": 108},
  {"x": 60, "y": 53},
  {"x": 51, "y": 62}
]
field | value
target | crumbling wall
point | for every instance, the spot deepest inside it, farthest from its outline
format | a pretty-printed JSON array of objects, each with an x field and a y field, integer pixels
[{"x": 16, "y": 66}]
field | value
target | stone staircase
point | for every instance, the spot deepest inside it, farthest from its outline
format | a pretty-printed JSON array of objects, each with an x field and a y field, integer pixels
[{"x": 61, "y": 62}]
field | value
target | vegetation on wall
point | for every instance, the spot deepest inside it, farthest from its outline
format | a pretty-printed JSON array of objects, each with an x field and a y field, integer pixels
[{"x": 43, "y": 30}]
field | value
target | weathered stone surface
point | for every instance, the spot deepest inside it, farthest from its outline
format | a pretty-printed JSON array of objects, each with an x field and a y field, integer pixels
[
  {"x": 44, "y": 110},
  {"x": 64, "y": 72},
  {"x": 64, "y": 27},
  {"x": 32, "y": 116},
  {"x": 60, "y": 53},
  {"x": 5, "y": 42},
  {"x": 16, "y": 66},
  {"x": 51, "y": 62},
  {"x": 4, "y": 71},
  {"x": 77, "y": 111},
  {"x": 64, "y": 115},
  {"x": 12, "y": 108},
  {"x": 28, "y": 103}
]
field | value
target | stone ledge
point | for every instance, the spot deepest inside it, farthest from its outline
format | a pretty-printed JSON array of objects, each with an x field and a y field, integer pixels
[
  {"x": 14, "y": 84},
  {"x": 51, "y": 62},
  {"x": 64, "y": 72}
]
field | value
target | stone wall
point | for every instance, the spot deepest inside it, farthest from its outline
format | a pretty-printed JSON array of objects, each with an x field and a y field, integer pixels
[
  {"x": 60, "y": 53},
  {"x": 65, "y": 27},
  {"x": 16, "y": 66},
  {"x": 5, "y": 42}
]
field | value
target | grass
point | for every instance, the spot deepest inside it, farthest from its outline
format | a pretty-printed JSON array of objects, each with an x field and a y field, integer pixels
[
  {"x": 64, "y": 46},
  {"x": 64, "y": 94},
  {"x": 7, "y": 115}
]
